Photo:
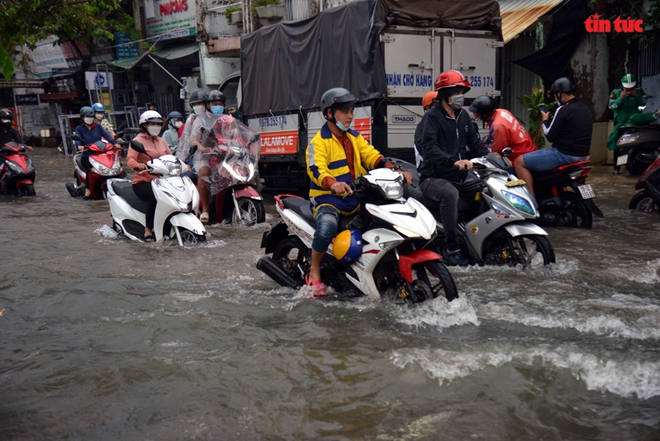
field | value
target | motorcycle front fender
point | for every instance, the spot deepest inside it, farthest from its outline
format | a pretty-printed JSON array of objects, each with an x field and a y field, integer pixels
[
  {"x": 246, "y": 191},
  {"x": 524, "y": 229},
  {"x": 188, "y": 221},
  {"x": 407, "y": 261}
]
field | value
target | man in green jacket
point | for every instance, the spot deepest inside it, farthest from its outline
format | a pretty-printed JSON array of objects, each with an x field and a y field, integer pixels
[{"x": 624, "y": 102}]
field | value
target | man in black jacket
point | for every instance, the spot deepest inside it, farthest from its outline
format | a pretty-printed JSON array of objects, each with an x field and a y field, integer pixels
[
  {"x": 449, "y": 140},
  {"x": 569, "y": 131}
]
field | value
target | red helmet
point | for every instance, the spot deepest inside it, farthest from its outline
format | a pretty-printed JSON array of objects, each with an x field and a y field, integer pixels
[
  {"x": 451, "y": 78},
  {"x": 428, "y": 98}
]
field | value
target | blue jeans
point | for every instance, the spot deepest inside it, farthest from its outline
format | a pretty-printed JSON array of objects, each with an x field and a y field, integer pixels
[
  {"x": 549, "y": 158},
  {"x": 327, "y": 222}
]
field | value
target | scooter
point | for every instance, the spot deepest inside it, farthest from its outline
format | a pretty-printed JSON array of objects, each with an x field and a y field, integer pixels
[
  {"x": 16, "y": 170},
  {"x": 648, "y": 198},
  {"x": 106, "y": 164},
  {"x": 495, "y": 226},
  {"x": 564, "y": 198},
  {"x": 639, "y": 143},
  {"x": 235, "y": 179},
  {"x": 177, "y": 202},
  {"x": 394, "y": 262}
]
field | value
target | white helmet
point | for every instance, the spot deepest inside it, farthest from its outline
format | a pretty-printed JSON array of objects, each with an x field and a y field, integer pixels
[{"x": 150, "y": 116}]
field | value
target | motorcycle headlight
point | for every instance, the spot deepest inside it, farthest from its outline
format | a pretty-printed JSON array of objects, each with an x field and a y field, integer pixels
[
  {"x": 406, "y": 232},
  {"x": 180, "y": 204},
  {"x": 105, "y": 170},
  {"x": 392, "y": 189},
  {"x": 15, "y": 167},
  {"x": 173, "y": 167},
  {"x": 519, "y": 203}
]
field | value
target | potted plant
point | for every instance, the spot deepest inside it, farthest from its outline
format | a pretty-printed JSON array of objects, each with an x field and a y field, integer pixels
[
  {"x": 234, "y": 14},
  {"x": 268, "y": 8},
  {"x": 531, "y": 103}
]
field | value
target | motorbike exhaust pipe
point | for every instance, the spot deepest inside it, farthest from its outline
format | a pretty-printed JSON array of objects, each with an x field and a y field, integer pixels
[{"x": 270, "y": 268}]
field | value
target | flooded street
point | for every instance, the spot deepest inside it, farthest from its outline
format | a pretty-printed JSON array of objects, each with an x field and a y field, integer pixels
[{"x": 109, "y": 339}]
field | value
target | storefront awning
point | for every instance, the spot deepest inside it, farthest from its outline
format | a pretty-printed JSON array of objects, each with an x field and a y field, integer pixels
[
  {"x": 127, "y": 63},
  {"x": 518, "y": 15},
  {"x": 20, "y": 84},
  {"x": 174, "y": 53}
]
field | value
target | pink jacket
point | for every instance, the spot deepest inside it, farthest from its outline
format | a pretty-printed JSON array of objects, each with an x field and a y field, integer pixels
[{"x": 155, "y": 146}]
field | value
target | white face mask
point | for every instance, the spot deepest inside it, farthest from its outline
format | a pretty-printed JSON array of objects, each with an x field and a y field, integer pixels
[
  {"x": 199, "y": 109},
  {"x": 153, "y": 130},
  {"x": 99, "y": 116},
  {"x": 178, "y": 124},
  {"x": 88, "y": 120}
]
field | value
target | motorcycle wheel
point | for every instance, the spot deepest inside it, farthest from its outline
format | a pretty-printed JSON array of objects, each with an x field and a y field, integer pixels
[
  {"x": 532, "y": 251},
  {"x": 644, "y": 203},
  {"x": 636, "y": 164},
  {"x": 26, "y": 190},
  {"x": 189, "y": 238},
  {"x": 293, "y": 257},
  {"x": 250, "y": 212},
  {"x": 574, "y": 213},
  {"x": 432, "y": 279}
]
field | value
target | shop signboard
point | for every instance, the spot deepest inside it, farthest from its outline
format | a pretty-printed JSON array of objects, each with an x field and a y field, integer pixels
[{"x": 165, "y": 19}]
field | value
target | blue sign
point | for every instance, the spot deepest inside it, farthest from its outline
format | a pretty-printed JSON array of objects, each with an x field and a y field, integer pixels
[{"x": 125, "y": 49}]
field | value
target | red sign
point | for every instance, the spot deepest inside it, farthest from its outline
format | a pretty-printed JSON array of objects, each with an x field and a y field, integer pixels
[
  {"x": 596, "y": 24},
  {"x": 363, "y": 125},
  {"x": 279, "y": 143}
]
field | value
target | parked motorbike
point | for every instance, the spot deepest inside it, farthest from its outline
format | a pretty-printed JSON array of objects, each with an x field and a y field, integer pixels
[
  {"x": 16, "y": 170},
  {"x": 564, "y": 197},
  {"x": 106, "y": 163},
  {"x": 495, "y": 227},
  {"x": 177, "y": 202},
  {"x": 639, "y": 143},
  {"x": 648, "y": 198},
  {"x": 394, "y": 262}
]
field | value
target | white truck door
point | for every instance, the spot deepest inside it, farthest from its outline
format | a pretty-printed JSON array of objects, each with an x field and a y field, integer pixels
[{"x": 475, "y": 57}]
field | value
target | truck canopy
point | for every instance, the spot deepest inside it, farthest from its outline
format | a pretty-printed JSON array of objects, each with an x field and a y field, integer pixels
[{"x": 288, "y": 66}]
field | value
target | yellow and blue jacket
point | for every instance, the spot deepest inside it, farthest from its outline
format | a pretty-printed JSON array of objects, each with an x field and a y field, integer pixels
[{"x": 326, "y": 158}]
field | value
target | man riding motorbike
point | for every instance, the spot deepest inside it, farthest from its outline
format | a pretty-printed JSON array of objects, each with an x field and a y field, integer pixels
[
  {"x": 335, "y": 157},
  {"x": 449, "y": 140},
  {"x": 569, "y": 130},
  {"x": 90, "y": 132},
  {"x": 504, "y": 130}
]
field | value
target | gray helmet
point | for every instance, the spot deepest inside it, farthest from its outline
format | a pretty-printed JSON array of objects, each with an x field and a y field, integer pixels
[
  {"x": 562, "y": 84},
  {"x": 337, "y": 98},
  {"x": 174, "y": 115},
  {"x": 483, "y": 104},
  {"x": 216, "y": 95},
  {"x": 5, "y": 115},
  {"x": 86, "y": 111},
  {"x": 198, "y": 96}
]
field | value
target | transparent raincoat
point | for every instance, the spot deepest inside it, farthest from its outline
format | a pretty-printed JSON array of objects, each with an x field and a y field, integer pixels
[{"x": 234, "y": 155}]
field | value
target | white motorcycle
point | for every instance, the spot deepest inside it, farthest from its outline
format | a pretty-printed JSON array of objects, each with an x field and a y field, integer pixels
[
  {"x": 394, "y": 262},
  {"x": 177, "y": 202},
  {"x": 496, "y": 225}
]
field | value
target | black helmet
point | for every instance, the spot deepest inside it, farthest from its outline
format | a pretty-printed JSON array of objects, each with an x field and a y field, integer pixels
[
  {"x": 216, "y": 95},
  {"x": 483, "y": 104},
  {"x": 198, "y": 96},
  {"x": 86, "y": 111},
  {"x": 174, "y": 115},
  {"x": 564, "y": 85},
  {"x": 5, "y": 118},
  {"x": 337, "y": 98}
]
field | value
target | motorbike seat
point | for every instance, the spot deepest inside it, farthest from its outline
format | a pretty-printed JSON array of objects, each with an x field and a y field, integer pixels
[
  {"x": 302, "y": 207},
  {"x": 561, "y": 168},
  {"x": 125, "y": 190}
]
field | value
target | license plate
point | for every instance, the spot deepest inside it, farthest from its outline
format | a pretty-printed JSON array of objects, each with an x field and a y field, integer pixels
[
  {"x": 516, "y": 183},
  {"x": 586, "y": 191},
  {"x": 621, "y": 160}
]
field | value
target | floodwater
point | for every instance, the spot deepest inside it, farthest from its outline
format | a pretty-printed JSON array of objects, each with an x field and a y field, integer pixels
[{"x": 106, "y": 339}]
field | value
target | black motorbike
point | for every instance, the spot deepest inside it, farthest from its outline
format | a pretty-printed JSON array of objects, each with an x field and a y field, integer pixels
[
  {"x": 648, "y": 198},
  {"x": 638, "y": 144}
]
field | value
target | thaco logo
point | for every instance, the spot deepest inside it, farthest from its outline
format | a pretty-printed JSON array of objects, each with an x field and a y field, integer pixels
[{"x": 628, "y": 25}]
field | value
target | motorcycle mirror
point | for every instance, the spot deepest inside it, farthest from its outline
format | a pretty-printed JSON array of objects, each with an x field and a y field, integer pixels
[
  {"x": 507, "y": 151},
  {"x": 75, "y": 137},
  {"x": 138, "y": 147}
]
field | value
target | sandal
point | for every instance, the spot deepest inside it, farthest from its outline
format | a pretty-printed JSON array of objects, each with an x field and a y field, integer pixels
[
  {"x": 149, "y": 238},
  {"x": 204, "y": 218},
  {"x": 317, "y": 291}
]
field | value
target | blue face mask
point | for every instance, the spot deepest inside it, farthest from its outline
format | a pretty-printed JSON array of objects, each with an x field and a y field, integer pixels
[
  {"x": 342, "y": 127},
  {"x": 217, "y": 110}
]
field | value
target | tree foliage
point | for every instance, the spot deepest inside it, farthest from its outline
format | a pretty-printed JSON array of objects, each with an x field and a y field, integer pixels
[{"x": 25, "y": 22}]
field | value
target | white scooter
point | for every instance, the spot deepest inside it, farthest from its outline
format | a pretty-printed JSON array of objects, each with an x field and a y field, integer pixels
[
  {"x": 177, "y": 202},
  {"x": 393, "y": 262}
]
